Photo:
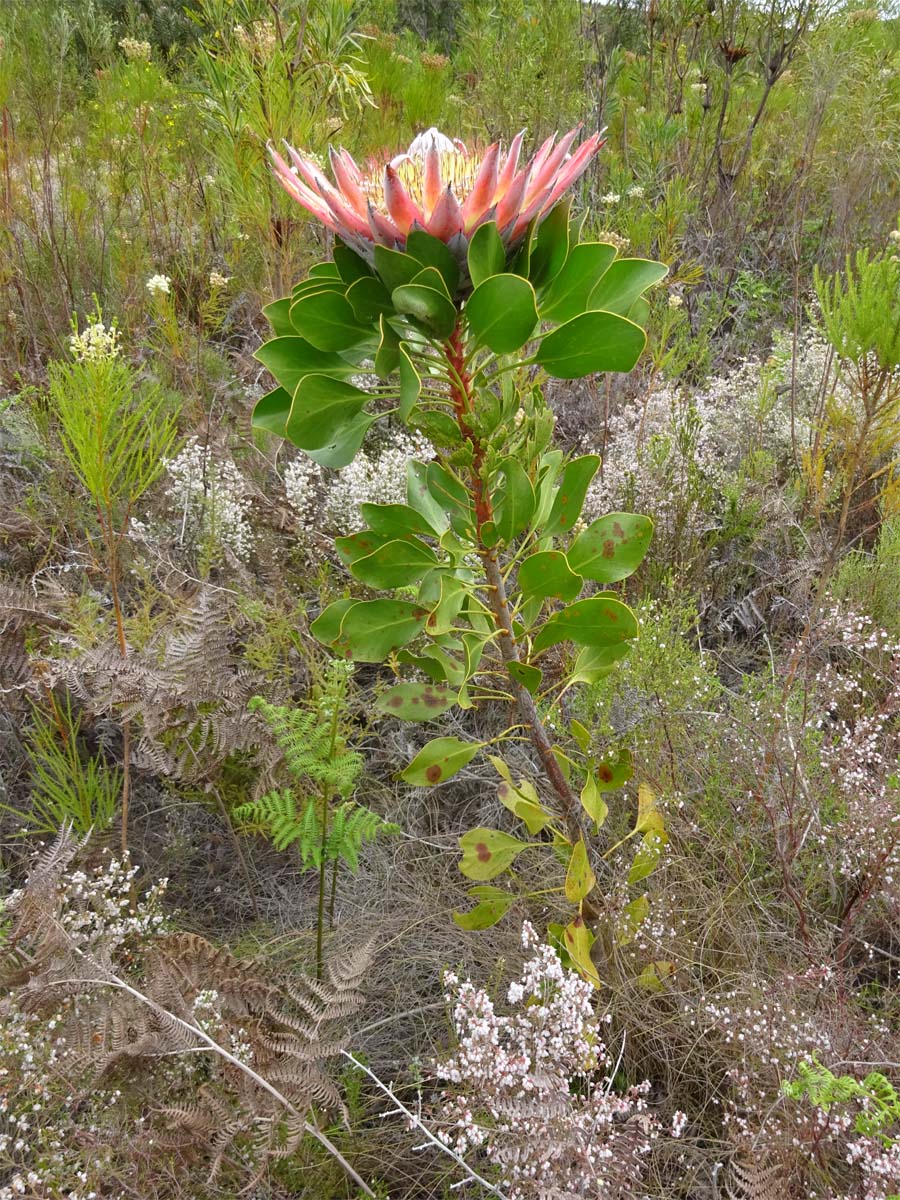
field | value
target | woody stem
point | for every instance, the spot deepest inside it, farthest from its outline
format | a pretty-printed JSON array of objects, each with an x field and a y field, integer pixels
[{"x": 464, "y": 406}]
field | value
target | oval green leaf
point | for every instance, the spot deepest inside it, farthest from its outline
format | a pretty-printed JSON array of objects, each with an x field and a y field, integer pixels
[
  {"x": 416, "y": 701},
  {"x": 502, "y": 313},
  {"x": 547, "y": 574},
  {"x": 569, "y": 498},
  {"x": 488, "y": 852},
  {"x": 487, "y": 255},
  {"x": 429, "y": 308},
  {"x": 569, "y": 293},
  {"x": 437, "y": 761},
  {"x": 371, "y": 629},
  {"x": 612, "y": 547},
  {"x": 328, "y": 322},
  {"x": 590, "y": 343},
  {"x": 624, "y": 282},
  {"x": 596, "y": 621}
]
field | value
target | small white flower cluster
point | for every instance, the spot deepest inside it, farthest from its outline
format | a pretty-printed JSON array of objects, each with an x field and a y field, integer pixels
[
  {"x": 210, "y": 494},
  {"x": 610, "y": 198},
  {"x": 159, "y": 285},
  {"x": 95, "y": 343},
  {"x": 879, "y": 1166},
  {"x": 513, "y": 1098},
  {"x": 376, "y": 476},
  {"x": 217, "y": 280},
  {"x": 134, "y": 50},
  {"x": 636, "y": 192}
]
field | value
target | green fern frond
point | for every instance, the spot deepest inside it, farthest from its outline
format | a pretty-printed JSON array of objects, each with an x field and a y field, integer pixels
[
  {"x": 312, "y": 748},
  {"x": 353, "y": 825}
]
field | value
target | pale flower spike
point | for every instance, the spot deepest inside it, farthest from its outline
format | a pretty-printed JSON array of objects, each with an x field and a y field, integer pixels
[{"x": 438, "y": 186}]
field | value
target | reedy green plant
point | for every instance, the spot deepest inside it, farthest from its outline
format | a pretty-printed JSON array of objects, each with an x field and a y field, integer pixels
[
  {"x": 313, "y": 743},
  {"x": 68, "y": 788},
  {"x": 488, "y": 543},
  {"x": 855, "y": 444},
  {"x": 116, "y": 433}
]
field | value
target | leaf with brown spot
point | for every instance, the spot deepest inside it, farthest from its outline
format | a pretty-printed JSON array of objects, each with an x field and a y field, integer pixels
[
  {"x": 580, "y": 879},
  {"x": 611, "y": 548},
  {"x": 440, "y": 759},
  {"x": 416, "y": 701},
  {"x": 578, "y": 939},
  {"x": 488, "y": 852},
  {"x": 596, "y": 621}
]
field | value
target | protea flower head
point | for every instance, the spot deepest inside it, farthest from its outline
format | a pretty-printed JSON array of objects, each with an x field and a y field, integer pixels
[{"x": 438, "y": 186}]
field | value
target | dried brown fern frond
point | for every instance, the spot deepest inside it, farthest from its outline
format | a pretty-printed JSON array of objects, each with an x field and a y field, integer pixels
[
  {"x": 21, "y": 613},
  {"x": 186, "y": 693},
  {"x": 756, "y": 1176},
  {"x": 257, "y": 1044}
]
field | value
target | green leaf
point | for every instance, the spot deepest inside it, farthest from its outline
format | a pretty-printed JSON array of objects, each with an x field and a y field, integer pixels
[
  {"x": 590, "y": 343},
  {"x": 344, "y": 443},
  {"x": 387, "y": 356},
  {"x": 624, "y": 282},
  {"x": 432, "y": 278},
  {"x": 615, "y": 772},
  {"x": 369, "y": 299},
  {"x": 278, "y": 314},
  {"x": 569, "y": 499},
  {"x": 612, "y": 547},
  {"x": 595, "y": 662},
  {"x": 410, "y": 383},
  {"x": 547, "y": 574},
  {"x": 395, "y": 268},
  {"x": 596, "y": 621},
  {"x": 428, "y": 307},
  {"x": 493, "y": 904},
  {"x": 502, "y": 313},
  {"x": 434, "y": 253},
  {"x": 632, "y": 917},
  {"x": 324, "y": 270},
  {"x": 395, "y": 520},
  {"x": 289, "y": 359},
  {"x": 452, "y": 497},
  {"x": 577, "y": 940},
  {"x": 349, "y": 265},
  {"x": 398, "y": 563},
  {"x": 551, "y": 245},
  {"x": 359, "y": 545},
  {"x": 321, "y": 405},
  {"x": 529, "y": 677},
  {"x": 488, "y": 852},
  {"x": 647, "y": 857},
  {"x": 416, "y": 701},
  {"x": 328, "y": 322},
  {"x": 581, "y": 734},
  {"x": 371, "y": 629},
  {"x": 327, "y": 625},
  {"x": 515, "y": 504},
  {"x": 487, "y": 255},
  {"x": 421, "y": 499},
  {"x": 569, "y": 293},
  {"x": 593, "y": 803},
  {"x": 655, "y": 974},
  {"x": 649, "y": 818},
  {"x": 639, "y": 312},
  {"x": 437, "y": 761},
  {"x": 580, "y": 879},
  {"x": 523, "y": 801},
  {"x": 271, "y": 411}
]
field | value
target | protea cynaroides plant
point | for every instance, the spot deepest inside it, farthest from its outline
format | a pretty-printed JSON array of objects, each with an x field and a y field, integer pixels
[{"x": 457, "y": 278}]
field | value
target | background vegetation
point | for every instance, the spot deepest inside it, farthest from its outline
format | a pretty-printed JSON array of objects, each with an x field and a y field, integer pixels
[{"x": 241, "y": 853}]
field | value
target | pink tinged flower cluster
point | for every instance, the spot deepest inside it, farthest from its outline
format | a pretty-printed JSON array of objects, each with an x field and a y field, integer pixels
[
  {"x": 438, "y": 186},
  {"x": 512, "y": 1096}
]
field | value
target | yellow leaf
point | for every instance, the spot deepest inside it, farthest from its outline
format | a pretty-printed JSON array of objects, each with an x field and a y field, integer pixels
[
  {"x": 649, "y": 818},
  {"x": 580, "y": 879}
]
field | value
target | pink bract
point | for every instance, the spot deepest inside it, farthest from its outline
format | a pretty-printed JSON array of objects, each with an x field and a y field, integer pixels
[{"x": 438, "y": 186}]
